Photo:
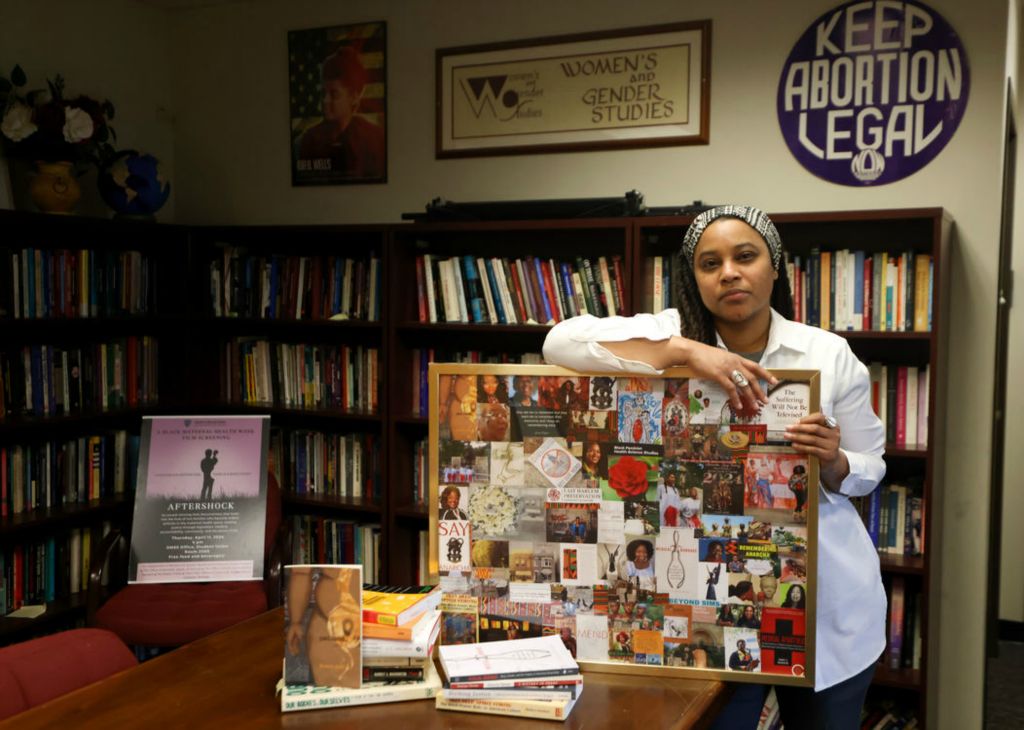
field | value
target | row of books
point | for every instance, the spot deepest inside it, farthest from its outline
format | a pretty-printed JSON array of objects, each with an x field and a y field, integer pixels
[
  {"x": 421, "y": 359},
  {"x": 904, "y": 621},
  {"x": 528, "y": 290},
  {"x": 46, "y": 380},
  {"x": 857, "y": 290},
  {"x": 659, "y": 274},
  {"x": 531, "y": 678},
  {"x": 46, "y": 570},
  {"x": 894, "y": 515},
  {"x": 420, "y": 472},
  {"x": 899, "y": 396},
  {"x": 260, "y": 372},
  {"x": 335, "y": 464},
  {"x": 66, "y": 283},
  {"x": 295, "y": 287},
  {"x": 74, "y": 471},
  {"x": 321, "y": 540}
]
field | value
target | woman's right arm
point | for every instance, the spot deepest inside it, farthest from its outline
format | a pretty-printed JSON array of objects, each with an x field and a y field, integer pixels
[{"x": 649, "y": 343}]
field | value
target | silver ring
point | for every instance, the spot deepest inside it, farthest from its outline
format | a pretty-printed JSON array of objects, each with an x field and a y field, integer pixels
[
  {"x": 740, "y": 379},
  {"x": 831, "y": 422}
]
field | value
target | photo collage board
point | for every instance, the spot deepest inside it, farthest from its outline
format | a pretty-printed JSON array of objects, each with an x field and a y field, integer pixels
[{"x": 640, "y": 518}]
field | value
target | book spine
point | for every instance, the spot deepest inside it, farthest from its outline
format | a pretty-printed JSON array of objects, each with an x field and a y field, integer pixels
[
  {"x": 485, "y": 286},
  {"x": 499, "y": 303},
  {"x": 314, "y": 698},
  {"x": 476, "y": 299},
  {"x": 606, "y": 284},
  {"x": 525, "y": 708},
  {"x": 896, "y": 622},
  {"x": 524, "y": 282},
  {"x": 542, "y": 291},
  {"x": 619, "y": 282},
  {"x": 421, "y": 292}
]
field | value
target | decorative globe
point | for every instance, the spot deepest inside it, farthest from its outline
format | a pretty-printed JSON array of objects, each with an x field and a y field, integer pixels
[{"x": 133, "y": 184}]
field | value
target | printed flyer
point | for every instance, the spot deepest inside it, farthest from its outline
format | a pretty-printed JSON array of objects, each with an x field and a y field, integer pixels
[{"x": 201, "y": 502}]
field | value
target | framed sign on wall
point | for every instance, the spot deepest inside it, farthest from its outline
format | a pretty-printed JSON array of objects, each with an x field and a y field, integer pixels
[
  {"x": 636, "y": 87},
  {"x": 640, "y": 518}
]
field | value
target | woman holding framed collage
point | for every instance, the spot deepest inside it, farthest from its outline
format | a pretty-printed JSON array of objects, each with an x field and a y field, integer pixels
[{"x": 734, "y": 320}]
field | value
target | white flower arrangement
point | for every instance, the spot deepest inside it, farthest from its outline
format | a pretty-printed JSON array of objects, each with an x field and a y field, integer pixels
[{"x": 492, "y": 510}]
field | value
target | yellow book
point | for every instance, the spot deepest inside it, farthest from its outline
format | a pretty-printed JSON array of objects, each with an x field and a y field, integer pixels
[
  {"x": 397, "y": 605},
  {"x": 921, "y": 286}
]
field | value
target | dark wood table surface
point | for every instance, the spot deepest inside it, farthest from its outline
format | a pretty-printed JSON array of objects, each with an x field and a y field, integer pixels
[{"x": 227, "y": 680}]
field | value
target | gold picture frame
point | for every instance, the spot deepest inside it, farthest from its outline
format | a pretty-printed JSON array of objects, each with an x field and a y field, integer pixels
[
  {"x": 633, "y": 87},
  {"x": 527, "y": 433}
]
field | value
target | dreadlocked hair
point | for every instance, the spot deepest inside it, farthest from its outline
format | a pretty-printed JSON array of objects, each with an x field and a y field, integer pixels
[{"x": 696, "y": 319}]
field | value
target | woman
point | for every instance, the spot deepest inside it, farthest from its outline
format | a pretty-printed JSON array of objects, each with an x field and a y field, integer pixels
[
  {"x": 798, "y": 485},
  {"x": 795, "y": 598},
  {"x": 449, "y": 509},
  {"x": 732, "y": 322},
  {"x": 593, "y": 463},
  {"x": 639, "y": 559}
]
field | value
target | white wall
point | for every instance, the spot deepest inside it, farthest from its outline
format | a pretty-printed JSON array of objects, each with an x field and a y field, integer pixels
[
  {"x": 105, "y": 49},
  {"x": 1011, "y": 582}
]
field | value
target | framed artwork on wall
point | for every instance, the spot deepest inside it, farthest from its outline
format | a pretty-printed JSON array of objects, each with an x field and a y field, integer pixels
[
  {"x": 635, "y": 87},
  {"x": 640, "y": 518},
  {"x": 337, "y": 91}
]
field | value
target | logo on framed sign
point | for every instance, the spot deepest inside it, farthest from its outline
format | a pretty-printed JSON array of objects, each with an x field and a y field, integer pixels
[{"x": 873, "y": 91}]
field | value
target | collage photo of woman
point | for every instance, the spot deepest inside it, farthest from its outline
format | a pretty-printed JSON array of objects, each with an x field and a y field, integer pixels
[{"x": 637, "y": 517}]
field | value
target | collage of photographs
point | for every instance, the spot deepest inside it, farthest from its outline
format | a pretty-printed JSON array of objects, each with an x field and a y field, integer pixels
[{"x": 639, "y": 518}]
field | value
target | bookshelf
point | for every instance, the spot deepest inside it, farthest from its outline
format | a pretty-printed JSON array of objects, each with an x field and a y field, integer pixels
[
  {"x": 311, "y": 356},
  {"x": 87, "y": 322},
  {"x": 544, "y": 240},
  {"x": 925, "y": 232}
]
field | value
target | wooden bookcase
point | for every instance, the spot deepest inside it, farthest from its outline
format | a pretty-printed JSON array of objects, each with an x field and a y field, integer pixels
[
  {"x": 58, "y": 326},
  {"x": 925, "y": 231},
  {"x": 558, "y": 239},
  {"x": 239, "y": 254}
]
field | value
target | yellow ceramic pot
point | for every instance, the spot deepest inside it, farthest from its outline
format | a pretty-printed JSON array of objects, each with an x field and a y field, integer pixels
[{"x": 53, "y": 187}]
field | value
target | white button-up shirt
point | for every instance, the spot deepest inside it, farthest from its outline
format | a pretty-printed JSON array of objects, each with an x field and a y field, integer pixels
[{"x": 851, "y": 602}]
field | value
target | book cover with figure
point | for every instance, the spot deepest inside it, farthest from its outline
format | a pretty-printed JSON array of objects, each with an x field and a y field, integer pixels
[
  {"x": 323, "y": 626},
  {"x": 201, "y": 501}
]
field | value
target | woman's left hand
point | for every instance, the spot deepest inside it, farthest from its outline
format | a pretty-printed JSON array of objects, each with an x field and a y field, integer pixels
[{"x": 812, "y": 435}]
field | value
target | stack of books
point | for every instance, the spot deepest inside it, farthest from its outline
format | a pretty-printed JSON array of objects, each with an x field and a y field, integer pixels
[
  {"x": 535, "y": 678},
  {"x": 399, "y": 627}
]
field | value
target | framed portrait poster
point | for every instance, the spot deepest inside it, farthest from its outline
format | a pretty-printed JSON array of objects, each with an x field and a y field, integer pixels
[
  {"x": 337, "y": 91},
  {"x": 641, "y": 519},
  {"x": 636, "y": 87}
]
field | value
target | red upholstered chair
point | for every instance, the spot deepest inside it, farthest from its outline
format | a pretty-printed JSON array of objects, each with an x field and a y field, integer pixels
[
  {"x": 172, "y": 614},
  {"x": 39, "y": 670}
]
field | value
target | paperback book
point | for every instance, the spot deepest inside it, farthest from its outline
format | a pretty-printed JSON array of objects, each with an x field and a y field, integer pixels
[
  {"x": 542, "y": 656},
  {"x": 323, "y": 631},
  {"x": 397, "y": 605},
  {"x": 314, "y": 697}
]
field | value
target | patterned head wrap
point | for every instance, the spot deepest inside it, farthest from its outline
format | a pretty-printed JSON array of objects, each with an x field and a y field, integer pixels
[{"x": 756, "y": 219}]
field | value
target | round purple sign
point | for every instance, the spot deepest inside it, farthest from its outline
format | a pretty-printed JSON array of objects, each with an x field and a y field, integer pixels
[{"x": 872, "y": 91}]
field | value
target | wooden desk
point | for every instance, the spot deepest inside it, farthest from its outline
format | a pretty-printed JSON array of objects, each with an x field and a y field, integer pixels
[{"x": 227, "y": 680}]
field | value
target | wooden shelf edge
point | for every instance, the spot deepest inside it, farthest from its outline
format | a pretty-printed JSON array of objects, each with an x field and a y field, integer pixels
[
  {"x": 899, "y": 678},
  {"x": 63, "y": 515},
  {"x": 909, "y": 564},
  {"x": 68, "y": 608},
  {"x": 475, "y": 327},
  {"x": 413, "y": 511},
  {"x": 331, "y": 502}
]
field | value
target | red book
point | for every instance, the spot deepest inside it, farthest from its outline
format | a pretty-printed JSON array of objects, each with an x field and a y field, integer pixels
[
  {"x": 549, "y": 290},
  {"x": 901, "y": 406},
  {"x": 517, "y": 286},
  {"x": 535, "y": 287},
  {"x": 421, "y": 293},
  {"x": 3, "y": 484},
  {"x": 619, "y": 276},
  {"x": 783, "y": 642}
]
